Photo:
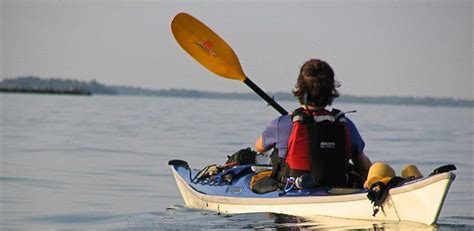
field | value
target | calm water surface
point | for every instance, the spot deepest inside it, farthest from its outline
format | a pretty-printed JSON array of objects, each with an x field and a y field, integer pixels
[{"x": 100, "y": 162}]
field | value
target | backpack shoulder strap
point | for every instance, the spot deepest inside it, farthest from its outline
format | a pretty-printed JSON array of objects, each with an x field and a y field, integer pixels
[
  {"x": 300, "y": 115},
  {"x": 340, "y": 116}
]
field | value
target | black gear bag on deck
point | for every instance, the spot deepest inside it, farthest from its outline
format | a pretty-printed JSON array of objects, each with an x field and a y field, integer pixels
[{"x": 243, "y": 156}]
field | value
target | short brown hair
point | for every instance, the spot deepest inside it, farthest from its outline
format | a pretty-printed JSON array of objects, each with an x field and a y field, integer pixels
[{"x": 316, "y": 80}]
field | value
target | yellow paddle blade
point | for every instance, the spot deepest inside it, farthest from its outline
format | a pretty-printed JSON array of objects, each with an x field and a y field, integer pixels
[{"x": 206, "y": 47}]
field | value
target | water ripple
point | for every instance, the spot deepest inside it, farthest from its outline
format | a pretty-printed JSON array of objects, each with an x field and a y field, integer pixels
[
  {"x": 74, "y": 218},
  {"x": 33, "y": 182}
]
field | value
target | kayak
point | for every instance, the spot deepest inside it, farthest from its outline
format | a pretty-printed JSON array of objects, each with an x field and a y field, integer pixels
[{"x": 419, "y": 200}]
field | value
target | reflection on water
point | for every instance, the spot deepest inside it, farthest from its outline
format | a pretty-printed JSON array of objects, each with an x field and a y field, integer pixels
[
  {"x": 193, "y": 219},
  {"x": 178, "y": 217}
]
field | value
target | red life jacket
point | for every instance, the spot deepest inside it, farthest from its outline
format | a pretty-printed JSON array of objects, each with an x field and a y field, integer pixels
[{"x": 319, "y": 144}]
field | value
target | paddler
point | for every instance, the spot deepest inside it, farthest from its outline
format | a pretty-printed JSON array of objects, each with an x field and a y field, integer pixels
[{"x": 313, "y": 139}]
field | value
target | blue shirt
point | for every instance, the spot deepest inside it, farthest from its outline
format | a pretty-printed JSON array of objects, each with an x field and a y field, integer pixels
[{"x": 277, "y": 133}]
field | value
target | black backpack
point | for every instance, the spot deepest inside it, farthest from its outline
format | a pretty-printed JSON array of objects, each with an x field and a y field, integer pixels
[{"x": 241, "y": 157}]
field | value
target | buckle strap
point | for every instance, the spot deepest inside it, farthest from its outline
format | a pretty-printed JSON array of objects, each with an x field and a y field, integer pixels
[{"x": 319, "y": 118}]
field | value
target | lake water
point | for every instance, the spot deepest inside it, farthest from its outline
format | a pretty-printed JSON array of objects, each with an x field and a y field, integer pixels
[{"x": 100, "y": 162}]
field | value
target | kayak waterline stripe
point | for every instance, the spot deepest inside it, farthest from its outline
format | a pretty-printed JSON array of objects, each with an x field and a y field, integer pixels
[{"x": 211, "y": 51}]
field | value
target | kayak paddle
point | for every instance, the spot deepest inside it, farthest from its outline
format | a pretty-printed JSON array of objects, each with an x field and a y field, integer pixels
[{"x": 213, "y": 52}]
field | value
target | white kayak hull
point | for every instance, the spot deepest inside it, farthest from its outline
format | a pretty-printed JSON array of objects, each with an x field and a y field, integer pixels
[{"x": 418, "y": 201}]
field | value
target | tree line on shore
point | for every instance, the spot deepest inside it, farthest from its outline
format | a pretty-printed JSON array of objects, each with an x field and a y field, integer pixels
[
  {"x": 53, "y": 85},
  {"x": 34, "y": 84}
]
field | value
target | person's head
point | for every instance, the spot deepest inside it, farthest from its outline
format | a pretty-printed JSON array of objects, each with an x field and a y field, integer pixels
[{"x": 316, "y": 83}]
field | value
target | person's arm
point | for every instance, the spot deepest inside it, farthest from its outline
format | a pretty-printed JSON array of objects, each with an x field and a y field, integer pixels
[
  {"x": 362, "y": 163},
  {"x": 359, "y": 159},
  {"x": 269, "y": 134},
  {"x": 259, "y": 145}
]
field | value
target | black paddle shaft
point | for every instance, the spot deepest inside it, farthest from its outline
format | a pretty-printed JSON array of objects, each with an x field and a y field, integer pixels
[{"x": 264, "y": 96}]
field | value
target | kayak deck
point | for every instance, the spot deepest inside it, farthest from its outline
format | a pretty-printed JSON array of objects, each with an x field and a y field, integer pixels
[{"x": 419, "y": 200}]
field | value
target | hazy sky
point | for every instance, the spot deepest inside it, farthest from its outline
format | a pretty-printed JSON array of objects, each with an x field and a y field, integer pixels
[{"x": 415, "y": 48}]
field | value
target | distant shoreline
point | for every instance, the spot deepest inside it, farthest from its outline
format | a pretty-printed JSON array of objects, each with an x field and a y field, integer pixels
[
  {"x": 33, "y": 84},
  {"x": 282, "y": 96},
  {"x": 47, "y": 91}
]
